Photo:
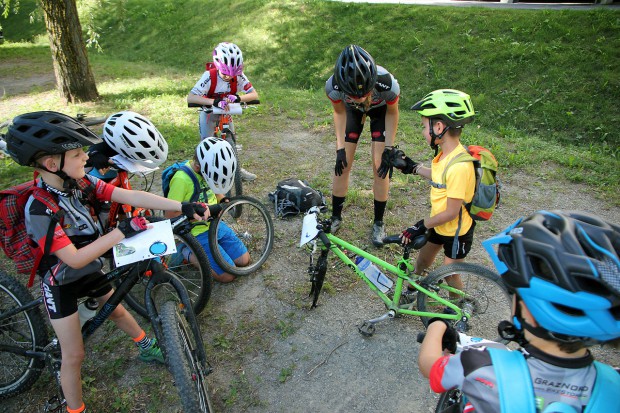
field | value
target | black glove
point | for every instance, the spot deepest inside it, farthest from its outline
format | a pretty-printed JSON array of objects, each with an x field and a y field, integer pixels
[
  {"x": 450, "y": 336},
  {"x": 411, "y": 167},
  {"x": 387, "y": 162},
  {"x": 341, "y": 161},
  {"x": 98, "y": 160},
  {"x": 132, "y": 226},
  {"x": 191, "y": 208},
  {"x": 415, "y": 231}
]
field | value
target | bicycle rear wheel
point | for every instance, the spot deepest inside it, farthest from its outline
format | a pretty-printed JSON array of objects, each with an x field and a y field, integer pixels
[
  {"x": 483, "y": 295},
  {"x": 254, "y": 228},
  {"x": 25, "y": 330},
  {"x": 237, "y": 189},
  {"x": 194, "y": 273},
  {"x": 189, "y": 373}
]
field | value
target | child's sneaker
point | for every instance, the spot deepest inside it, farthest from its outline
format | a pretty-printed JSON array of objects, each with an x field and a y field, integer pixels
[{"x": 152, "y": 353}]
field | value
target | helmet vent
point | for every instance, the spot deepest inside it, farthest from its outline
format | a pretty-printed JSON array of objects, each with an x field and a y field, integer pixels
[
  {"x": 589, "y": 284},
  {"x": 40, "y": 133},
  {"x": 575, "y": 312},
  {"x": 541, "y": 268}
]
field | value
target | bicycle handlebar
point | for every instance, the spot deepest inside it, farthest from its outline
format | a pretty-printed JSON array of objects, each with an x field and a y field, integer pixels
[
  {"x": 210, "y": 108},
  {"x": 417, "y": 243},
  {"x": 214, "y": 210}
]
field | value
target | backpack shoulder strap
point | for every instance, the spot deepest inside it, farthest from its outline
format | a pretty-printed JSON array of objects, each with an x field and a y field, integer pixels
[
  {"x": 514, "y": 384},
  {"x": 45, "y": 197},
  {"x": 604, "y": 397},
  {"x": 233, "y": 85},
  {"x": 213, "y": 84},
  {"x": 192, "y": 175},
  {"x": 461, "y": 157}
]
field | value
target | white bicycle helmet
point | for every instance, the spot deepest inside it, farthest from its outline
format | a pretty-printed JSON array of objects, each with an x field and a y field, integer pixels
[
  {"x": 136, "y": 138},
  {"x": 218, "y": 164},
  {"x": 228, "y": 59}
]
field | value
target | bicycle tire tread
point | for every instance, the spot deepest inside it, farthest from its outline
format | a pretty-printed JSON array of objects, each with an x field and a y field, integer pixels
[
  {"x": 39, "y": 336},
  {"x": 176, "y": 357}
]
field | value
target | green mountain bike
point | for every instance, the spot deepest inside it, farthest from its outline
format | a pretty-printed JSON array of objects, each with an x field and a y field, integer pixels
[{"x": 477, "y": 308}]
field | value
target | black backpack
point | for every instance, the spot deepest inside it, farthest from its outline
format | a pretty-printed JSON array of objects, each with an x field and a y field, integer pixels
[{"x": 294, "y": 196}]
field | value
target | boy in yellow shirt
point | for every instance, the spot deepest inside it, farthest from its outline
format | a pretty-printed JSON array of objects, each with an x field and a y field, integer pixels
[{"x": 449, "y": 226}]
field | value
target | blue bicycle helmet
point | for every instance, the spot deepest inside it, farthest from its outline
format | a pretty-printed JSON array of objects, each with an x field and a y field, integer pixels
[{"x": 564, "y": 265}]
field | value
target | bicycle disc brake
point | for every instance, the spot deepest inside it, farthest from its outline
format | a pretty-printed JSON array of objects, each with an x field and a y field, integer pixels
[{"x": 462, "y": 324}]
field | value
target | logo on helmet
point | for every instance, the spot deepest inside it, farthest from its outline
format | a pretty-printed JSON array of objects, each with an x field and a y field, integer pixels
[{"x": 70, "y": 146}]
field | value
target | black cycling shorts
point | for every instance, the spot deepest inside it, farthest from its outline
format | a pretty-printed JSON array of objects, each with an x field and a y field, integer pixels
[
  {"x": 463, "y": 246},
  {"x": 355, "y": 124},
  {"x": 61, "y": 300}
]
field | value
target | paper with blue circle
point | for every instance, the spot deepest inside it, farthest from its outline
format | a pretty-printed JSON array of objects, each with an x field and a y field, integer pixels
[{"x": 156, "y": 241}]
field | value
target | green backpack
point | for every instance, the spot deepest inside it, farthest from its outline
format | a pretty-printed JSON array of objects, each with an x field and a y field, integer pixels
[{"x": 486, "y": 192}]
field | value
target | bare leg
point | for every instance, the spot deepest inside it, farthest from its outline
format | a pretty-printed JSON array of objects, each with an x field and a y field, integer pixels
[
  {"x": 69, "y": 335},
  {"x": 340, "y": 184},
  {"x": 122, "y": 318},
  {"x": 380, "y": 186}
]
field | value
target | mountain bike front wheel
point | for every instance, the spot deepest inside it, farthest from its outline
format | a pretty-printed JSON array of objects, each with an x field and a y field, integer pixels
[
  {"x": 181, "y": 356},
  {"x": 24, "y": 330},
  {"x": 190, "y": 263},
  {"x": 254, "y": 228},
  {"x": 483, "y": 295}
]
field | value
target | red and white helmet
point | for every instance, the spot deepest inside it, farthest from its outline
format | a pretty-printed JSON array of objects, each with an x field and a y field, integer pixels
[
  {"x": 218, "y": 164},
  {"x": 136, "y": 138},
  {"x": 228, "y": 59}
]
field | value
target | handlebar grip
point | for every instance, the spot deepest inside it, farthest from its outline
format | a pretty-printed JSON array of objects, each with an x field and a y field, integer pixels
[
  {"x": 196, "y": 105},
  {"x": 252, "y": 102},
  {"x": 420, "y": 337}
]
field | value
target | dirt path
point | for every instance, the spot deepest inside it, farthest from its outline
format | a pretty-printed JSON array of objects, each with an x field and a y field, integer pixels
[{"x": 270, "y": 353}]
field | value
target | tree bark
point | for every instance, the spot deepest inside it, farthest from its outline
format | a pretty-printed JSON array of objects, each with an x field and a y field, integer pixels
[{"x": 74, "y": 77}]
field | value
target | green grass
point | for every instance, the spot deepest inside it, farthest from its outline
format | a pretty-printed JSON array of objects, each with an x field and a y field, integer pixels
[{"x": 544, "y": 83}]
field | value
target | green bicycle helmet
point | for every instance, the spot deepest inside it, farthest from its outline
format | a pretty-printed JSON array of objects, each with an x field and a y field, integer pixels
[{"x": 451, "y": 106}]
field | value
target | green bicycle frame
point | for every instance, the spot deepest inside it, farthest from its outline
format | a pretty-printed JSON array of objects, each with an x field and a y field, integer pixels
[{"x": 337, "y": 245}]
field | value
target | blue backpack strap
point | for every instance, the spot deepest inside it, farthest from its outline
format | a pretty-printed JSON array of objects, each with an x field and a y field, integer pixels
[
  {"x": 604, "y": 397},
  {"x": 192, "y": 175},
  {"x": 514, "y": 384}
]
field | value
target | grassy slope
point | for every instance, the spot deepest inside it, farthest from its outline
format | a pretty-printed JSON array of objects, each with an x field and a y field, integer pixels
[{"x": 543, "y": 82}]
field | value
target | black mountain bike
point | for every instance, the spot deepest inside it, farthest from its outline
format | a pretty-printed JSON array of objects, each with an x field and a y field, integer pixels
[{"x": 26, "y": 349}]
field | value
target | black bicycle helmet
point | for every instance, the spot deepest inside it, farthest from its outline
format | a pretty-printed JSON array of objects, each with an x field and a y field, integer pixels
[
  {"x": 565, "y": 266},
  {"x": 32, "y": 135},
  {"x": 355, "y": 71}
]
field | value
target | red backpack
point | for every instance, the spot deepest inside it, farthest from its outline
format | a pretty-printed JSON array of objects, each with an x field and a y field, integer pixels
[
  {"x": 17, "y": 245},
  {"x": 213, "y": 73}
]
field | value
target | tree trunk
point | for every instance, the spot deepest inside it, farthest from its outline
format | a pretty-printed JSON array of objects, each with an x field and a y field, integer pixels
[{"x": 74, "y": 77}]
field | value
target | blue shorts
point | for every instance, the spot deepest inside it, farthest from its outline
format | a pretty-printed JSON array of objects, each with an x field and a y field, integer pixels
[{"x": 230, "y": 246}]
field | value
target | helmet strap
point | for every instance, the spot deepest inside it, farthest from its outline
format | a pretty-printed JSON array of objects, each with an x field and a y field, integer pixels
[
  {"x": 434, "y": 136},
  {"x": 67, "y": 182}
]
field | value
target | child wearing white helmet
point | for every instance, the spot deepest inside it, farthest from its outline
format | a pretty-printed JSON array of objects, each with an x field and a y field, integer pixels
[
  {"x": 221, "y": 84},
  {"x": 214, "y": 166}
]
